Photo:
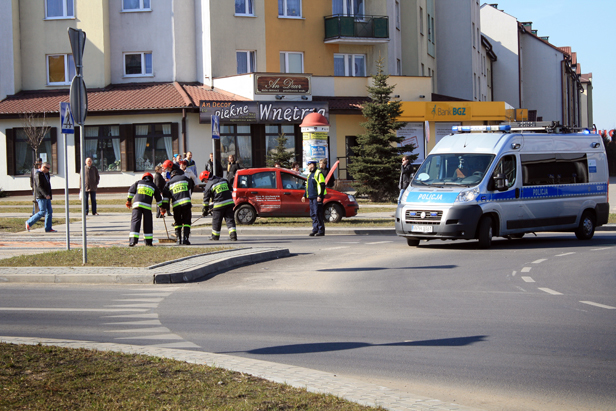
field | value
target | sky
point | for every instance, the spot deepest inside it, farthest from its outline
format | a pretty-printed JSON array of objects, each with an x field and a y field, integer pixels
[{"x": 588, "y": 28}]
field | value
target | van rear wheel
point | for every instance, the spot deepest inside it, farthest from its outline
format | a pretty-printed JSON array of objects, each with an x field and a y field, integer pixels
[
  {"x": 586, "y": 229},
  {"x": 484, "y": 232}
]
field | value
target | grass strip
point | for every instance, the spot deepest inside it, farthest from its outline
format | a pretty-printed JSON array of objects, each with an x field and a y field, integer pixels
[
  {"x": 107, "y": 257},
  {"x": 53, "y": 378}
]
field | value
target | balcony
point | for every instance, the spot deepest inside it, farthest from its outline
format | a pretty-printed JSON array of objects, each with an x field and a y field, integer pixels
[{"x": 360, "y": 30}]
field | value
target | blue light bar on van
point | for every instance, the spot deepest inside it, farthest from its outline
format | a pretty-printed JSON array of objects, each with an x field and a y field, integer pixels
[{"x": 468, "y": 129}]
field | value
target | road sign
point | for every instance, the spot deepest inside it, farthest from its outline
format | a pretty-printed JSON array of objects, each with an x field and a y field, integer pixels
[
  {"x": 215, "y": 127},
  {"x": 77, "y": 37},
  {"x": 67, "y": 124},
  {"x": 79, "y": 100}
]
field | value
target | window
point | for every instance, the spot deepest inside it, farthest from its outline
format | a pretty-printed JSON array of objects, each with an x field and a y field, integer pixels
[
  {"x": 348, "y": 8},
  {"x": 429, "y": 29},
  {"x": 289, "y": 8},
  {"x": 432, "y": 28},
  {"x": 399, "y": 67},
  {"x": 291, "y": 182},
  {"x": 474, "y": 35},
  {"x": 20, "y": 156},
  {"x": 59, "y": 9},
  {"x": 421, "y": 24},
  {"x": 273, "y": 131},
  {"x": 103, "y": 147},
  {"x": 506, "y": 167},
  {"x": 291, "y": 62},
  {"x": 350, "y": 65},
  {"x": 136, "y": 5},
  {"x": 60, "y": 69},
  {"x": 398, "y": 15},
  {"x": 138, "y": 64},
  {"x": 544, "y": 169},
  {"x": 423, "y": 70},
  {"x": 153, "y": 145},
  {"x": 236, "y": 140},
  {"x": 243, "y": 8},
  {"x": 246, "y": 61}
]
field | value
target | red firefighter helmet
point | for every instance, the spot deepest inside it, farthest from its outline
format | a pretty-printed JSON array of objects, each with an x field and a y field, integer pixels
[
  {"x": 205, "y": 175},
  {"x": 147, "y": 175},
  {"x": 167, "y": 164}
]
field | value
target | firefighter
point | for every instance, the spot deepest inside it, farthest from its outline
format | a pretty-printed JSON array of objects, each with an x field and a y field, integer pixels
[
  {"x": 176, "y": 195},
  {"x": 140, "y": 195},
  {"x": 218, "y": 193}
]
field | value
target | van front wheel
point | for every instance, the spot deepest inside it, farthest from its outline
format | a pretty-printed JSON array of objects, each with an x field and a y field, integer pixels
[
  {"x": 412, "y": 242},
  {"x": 586, "y": 229},
  {"x": 484, "y": 232}
]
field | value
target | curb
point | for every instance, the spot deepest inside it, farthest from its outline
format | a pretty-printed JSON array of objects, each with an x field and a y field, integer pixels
[{"x": 178, "y": 271}]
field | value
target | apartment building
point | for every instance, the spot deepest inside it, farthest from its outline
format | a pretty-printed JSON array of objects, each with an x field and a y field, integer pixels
[
  {"x": 530, "y": 71},
  {"x": 156, "y": 71}
]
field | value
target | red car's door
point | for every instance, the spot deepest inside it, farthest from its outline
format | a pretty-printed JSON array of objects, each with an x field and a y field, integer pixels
[
  {"x": 263, "y": 193},
  {"x": 293, "y": 189}
]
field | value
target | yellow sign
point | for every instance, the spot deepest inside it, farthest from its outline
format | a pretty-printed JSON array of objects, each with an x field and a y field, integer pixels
[
  {"x": 319, "y": 135},
  {"x": 450, "y": 111}
]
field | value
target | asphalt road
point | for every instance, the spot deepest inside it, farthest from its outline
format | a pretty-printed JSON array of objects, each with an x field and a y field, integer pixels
[{"x": 526, "y": 325}]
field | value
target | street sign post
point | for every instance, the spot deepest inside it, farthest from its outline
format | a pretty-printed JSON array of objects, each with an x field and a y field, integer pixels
[
  {"x": 79, "y": 105},
  {"x": 215, "y": 136},
  {"x": 68, "y": 127}
]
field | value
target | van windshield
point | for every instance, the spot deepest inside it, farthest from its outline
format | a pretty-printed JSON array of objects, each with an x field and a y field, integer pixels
[{"x": 453, "y": 169}]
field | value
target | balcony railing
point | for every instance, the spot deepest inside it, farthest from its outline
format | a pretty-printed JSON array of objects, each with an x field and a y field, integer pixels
[{"x": 353, "y": 28}]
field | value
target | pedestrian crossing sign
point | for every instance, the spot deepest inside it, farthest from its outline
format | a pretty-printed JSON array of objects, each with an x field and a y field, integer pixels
[{"x": 66, "y": 119}]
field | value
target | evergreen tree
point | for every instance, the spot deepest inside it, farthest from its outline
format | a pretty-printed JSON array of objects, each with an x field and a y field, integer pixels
[
  {"x": 280, "y": 154},
  {"x": 376, "y": 163}
]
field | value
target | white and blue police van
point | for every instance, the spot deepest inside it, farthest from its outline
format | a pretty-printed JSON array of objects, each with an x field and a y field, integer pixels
[{"x": 482, "y": 182}]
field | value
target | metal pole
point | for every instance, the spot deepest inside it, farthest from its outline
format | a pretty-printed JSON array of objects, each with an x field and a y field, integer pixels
[
  {"x": 214, "y": 157},
  {"x": 83, "y": 191},
  {"x": 68, "y": 226}
]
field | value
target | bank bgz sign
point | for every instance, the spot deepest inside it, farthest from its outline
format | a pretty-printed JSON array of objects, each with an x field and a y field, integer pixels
[
  {"x": 448, "y": 112},
  {"x": 264, "y": 112}
]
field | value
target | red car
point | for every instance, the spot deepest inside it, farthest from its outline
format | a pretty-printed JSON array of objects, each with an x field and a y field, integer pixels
[{"x": 278, "y": 192}]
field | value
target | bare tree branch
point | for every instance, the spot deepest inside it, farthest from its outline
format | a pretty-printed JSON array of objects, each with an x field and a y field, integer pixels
[{"x": 35, "y": 128}]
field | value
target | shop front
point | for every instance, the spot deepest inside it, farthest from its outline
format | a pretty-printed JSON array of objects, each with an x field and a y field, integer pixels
[{"x": 249, "y": 130}]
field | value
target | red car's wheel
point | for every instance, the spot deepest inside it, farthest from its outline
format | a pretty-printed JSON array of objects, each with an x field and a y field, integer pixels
[{"x": 245, "y": 214}]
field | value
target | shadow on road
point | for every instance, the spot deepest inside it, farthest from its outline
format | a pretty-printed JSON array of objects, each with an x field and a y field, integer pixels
[
  {"x": 340, "y": 346},
  {"x": 353, "y": 269}
]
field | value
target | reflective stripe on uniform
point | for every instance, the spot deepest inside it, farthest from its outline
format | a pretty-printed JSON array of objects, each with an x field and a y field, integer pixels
[
  {"x": 133, "y": 235},
  {"x": 224, "y": 203},
  {"x": 232, "y": 230},
  {"x": 216, "y": 233},
  {"x": 142, "y": 205},
  {"x": 181, "y": 202},
  {"x": 148, "y": 236}
]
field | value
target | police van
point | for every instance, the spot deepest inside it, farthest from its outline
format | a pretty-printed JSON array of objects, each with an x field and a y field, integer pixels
[{"x": 482, "y": 182}]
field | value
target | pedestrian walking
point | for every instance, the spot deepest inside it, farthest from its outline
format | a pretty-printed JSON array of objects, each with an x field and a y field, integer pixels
[
  {"x": 159, "y": 181},
  {"x": 43, "y": 198},
  {"x": 209, "y": 167},
  {"x": 315, "y": 193},
  {"x": 325, "y": 170},
  {"x": 406, "y": 171},
  {"x": 36, "y": 168},
  {"x": 219, "y": 194},
  {"x": 92, "y": 181},
  {"x": 140, "y": 194},
  {"x": 232, "y": 168},
  {"x": 176, "y": 196}
]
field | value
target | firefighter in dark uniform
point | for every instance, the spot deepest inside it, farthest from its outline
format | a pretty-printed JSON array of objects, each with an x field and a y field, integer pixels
[
  {"x": 140, "y": 195},
  {"x": 218, "y": 193},
  {"x": 176, "y": 195}
]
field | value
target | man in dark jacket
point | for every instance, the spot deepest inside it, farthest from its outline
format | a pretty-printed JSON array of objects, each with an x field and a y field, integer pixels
[
  {"x": 176, "y": 195},
  {"x": 218, "y": 193},
  {"x": 406, "y": 171},
  {"x": 232, "y": 168},
  {"x": 92, "y": 180},
  {"x": 141, "y": 194},
  {"x": 209, "y": 167},
  {"x": 43, "y": 198},
  {"x": 315, "y": 193}
]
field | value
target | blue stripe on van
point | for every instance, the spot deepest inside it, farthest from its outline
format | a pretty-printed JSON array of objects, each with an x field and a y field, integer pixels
[{"x": 432, "y": 198}]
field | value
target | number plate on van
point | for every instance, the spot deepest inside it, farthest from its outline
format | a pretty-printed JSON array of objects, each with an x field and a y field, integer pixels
[{"x": 422, "y": 228}]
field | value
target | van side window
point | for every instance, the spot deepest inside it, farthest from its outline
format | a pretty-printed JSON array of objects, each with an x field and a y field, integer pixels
[
  {"x": 507, "y": 167},
  {"x": 560, "y": 168}
]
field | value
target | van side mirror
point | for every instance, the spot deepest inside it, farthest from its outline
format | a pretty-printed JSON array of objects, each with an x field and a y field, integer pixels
[{"x": 499, "y": 180}]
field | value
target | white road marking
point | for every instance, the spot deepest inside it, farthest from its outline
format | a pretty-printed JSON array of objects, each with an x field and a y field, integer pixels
[
  {"x": 520, "y": 288},
  {"x": 141, "y": 300},
  {"x": 336, "y": 248},
  {"x": 143, "y": 305},
  {"x": 142, "y": 330},
  {"x": 550, "y": 291},
  {"x": 528, "y": 279},
  {"x": 84, "y": 310},
  {"x": 142, "y": 322},
  {"x": 148, "y": 315},
  {"x": 514, "y": 273},
  {"x": 379, "y": 242},
  {"x": 526, "y": 269},
  {"x": 562, "y": 255},
  {"x": 609, "y": 307},
  {"x": 540, "y": 261},
  {"x": 151, "y": 295},
  {"x": 601, "y": 249},
  {"x": 349, "y": 242},
  {"x": 153, "y": 337}
]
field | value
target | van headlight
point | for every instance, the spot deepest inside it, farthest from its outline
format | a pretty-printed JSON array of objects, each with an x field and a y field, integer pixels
[{"x": 467, "y": 195}]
